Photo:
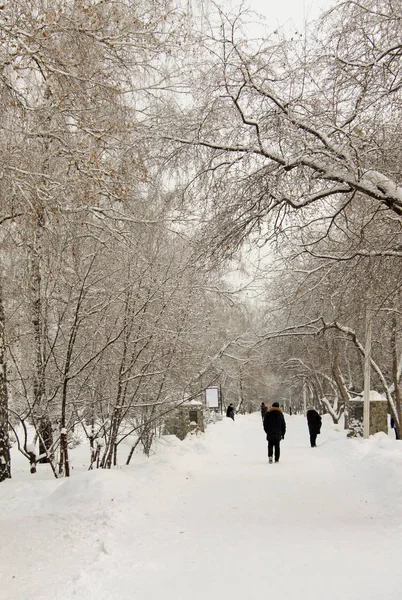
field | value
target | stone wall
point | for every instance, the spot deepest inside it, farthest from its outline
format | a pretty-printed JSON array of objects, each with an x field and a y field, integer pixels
[
  {"x": 378, "y": 417},
  {"x": 185, "y": 419}
]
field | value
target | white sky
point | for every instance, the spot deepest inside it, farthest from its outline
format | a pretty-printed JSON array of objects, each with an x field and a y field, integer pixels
[
  {"x": 281, "y": 12},
  {"x": 288, "y": 13}
]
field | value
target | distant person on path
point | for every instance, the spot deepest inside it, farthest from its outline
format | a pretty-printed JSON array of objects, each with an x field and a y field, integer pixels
[
  {"x": 230, "y": 411},
  {"x": 263, "y": 409},
  {"x": 314, "y": 425},
  {"x": 275, "y": 428},
  {"x": 393, "y": 425}
]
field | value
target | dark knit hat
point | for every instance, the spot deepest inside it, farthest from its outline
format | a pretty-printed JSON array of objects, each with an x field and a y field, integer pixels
[{"x": 276, "y": 404}]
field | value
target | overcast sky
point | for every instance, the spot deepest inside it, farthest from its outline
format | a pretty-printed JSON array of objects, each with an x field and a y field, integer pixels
[
  {"x": 277, "y": 13},
  {"x": 280, "y": 12}
]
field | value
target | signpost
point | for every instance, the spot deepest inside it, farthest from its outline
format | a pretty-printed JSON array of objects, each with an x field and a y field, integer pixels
[{"x": 212, "y": 397}]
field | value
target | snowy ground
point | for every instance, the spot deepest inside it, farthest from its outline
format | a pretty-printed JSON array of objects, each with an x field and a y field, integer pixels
[{"x": 209, "y": 519}]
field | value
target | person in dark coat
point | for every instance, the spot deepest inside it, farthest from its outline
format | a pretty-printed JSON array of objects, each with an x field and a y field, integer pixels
[
  {"x": 230, "y": 411},
  {"x": 263, "y": 409},
  {"x": 314, "y": 425},
  {"x": 275, "y": 428},
  {"x": 393, "y": 425}
]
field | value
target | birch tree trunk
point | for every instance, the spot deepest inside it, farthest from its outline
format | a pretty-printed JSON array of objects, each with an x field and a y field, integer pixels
[
  {"x": 5, "y": 460},
  {"x": 44, "y": 426},
  {"x": 340, "y": 382},
  {"x": 396, "y": 376}
]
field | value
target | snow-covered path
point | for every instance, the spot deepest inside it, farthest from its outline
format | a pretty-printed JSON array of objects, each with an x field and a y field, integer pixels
[{"x": 209, "y": 518}]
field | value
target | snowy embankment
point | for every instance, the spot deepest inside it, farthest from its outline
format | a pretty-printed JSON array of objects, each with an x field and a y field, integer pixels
[{"x": 209, "y": 519}]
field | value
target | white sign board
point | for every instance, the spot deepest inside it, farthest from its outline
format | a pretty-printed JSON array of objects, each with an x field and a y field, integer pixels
[{"x": 212, "y": 397}]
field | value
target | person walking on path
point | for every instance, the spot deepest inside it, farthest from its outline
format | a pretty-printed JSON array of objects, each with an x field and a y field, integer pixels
[
  {"x": 314, "y": 426},
  {"x": 393, "y": 425},
  {"x": 230, "y": 411},
  {"x": 263, "y": 409},
  {"x": 275, "y": 428}
]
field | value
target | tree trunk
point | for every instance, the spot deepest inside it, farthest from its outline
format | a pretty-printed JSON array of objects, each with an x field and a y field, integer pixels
[
  {"x": 5, "y": 459},
  {"x": 395, "y": 376},
  {"x": 45, "y": 439},
  {"x": 108, "y": 455},
  {"x": 340, "y": 382},
  {"x": 64, "y": 463},
  {"x": 241, "y": 397},
  {"x": 132, "y": 449},
  {"x": 147, "y": 437},
  {"x": 45, "y": 429}
]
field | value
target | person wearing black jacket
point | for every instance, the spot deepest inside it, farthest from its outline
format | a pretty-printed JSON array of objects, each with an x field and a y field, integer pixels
[
  {"x": 230, "y": 411},
  {"x": 263, "y": 409},
  {"x": 275, "y": 428},
  {"x": 314, "y": 425}
]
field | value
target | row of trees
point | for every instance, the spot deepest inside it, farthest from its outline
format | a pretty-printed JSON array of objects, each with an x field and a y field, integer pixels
[
  {"x": 295, "y": 142},
  {"x": 106, "y": 314},
  {"x": 139, "y": 155}
]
